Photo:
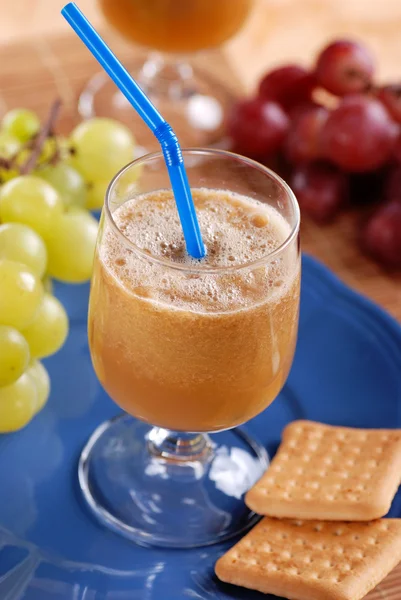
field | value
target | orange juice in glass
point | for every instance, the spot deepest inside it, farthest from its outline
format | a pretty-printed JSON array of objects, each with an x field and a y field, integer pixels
[
  {"x": 180, "y": 26},
  {"x": 170, "y": 30},
  {"x": 187, "y": 347}
]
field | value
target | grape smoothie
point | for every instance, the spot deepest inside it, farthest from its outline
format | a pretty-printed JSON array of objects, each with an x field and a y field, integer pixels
[{"x": 194, "y": 345}]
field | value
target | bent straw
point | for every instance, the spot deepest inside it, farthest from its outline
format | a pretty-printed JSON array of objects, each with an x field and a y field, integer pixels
[{"x": 148, "y": 112}]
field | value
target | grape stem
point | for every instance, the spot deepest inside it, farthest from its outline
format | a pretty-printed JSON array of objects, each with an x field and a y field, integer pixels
[
  {"x": 39, "y": 140},
  {"x": 35, "y": 145},
  {"x": 4, "y": 162}
]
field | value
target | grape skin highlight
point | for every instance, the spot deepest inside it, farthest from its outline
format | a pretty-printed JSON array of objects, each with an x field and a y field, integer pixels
[
  {"x": 14, "y": 355},
  {"x": 21, "y": 294}
]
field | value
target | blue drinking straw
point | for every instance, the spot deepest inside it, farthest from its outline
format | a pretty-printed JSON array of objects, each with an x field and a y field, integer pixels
[{"x": 148, "y": 112}]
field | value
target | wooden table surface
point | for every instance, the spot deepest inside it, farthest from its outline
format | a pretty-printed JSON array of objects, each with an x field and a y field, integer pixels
[{"x": 41, "y": 59}]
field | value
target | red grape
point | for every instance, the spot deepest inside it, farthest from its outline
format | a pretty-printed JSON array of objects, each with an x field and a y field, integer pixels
[
  {"x": 303, "y": 140},
  {"x": 344, "y": 67},
  {"x": 358, "y": 135},
  {"x": 397, "y": 149},
  {"x": 257, "y": 127},
  {"x": 392, "y": 190},
  {"x": 390, "y": 95},
  {"x": 277, "y": 162},
  {"x": 382, "y": 236},
  {"x": 321, "y": 190},
  {"x": 300, "y": 109},
  {"x": 289, "y": 85},
  {"x": 367, "y": 188}
]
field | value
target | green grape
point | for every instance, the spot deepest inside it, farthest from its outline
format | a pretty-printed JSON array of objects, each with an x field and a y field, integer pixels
[
  {"x": 9, "y": 145},
  {"x": 101, "y": 148},
  {"x": 67, "y": 181},
  {"x": 96, "y": 194},
  {"x": 21, "y": 123},
  {"x": 30, "y": 200},
  {"x": 17, "y": 403},
  {"x": 7, "y": 174},
  {"x": 22, "y": 157},
  {"x": 21, "y": 293},
  {"x": 47, "y": 284},
  {"x": 22, "y": 244},
  {"x": 97, "y": 189},
  {"x": 71, "y": 246},
  {"x": 49, "y": 329},
  {"x": 49, "y": 150},
  {"x": 14, "y": 355},
  {"x": 64, "y": 148},
  {"x": 42, "y": 380}
]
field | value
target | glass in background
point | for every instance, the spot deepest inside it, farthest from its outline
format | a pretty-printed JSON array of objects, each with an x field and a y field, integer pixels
[{"x": 190, "y": 100}]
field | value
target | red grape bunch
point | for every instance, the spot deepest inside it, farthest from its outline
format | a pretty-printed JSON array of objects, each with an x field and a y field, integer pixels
[{"x": 335, "y": 136}]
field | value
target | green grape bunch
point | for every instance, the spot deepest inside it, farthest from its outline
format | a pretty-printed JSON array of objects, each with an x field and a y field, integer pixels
[
  {"x": 33, "y": 325},
  {"x": 48, "y": 187}
]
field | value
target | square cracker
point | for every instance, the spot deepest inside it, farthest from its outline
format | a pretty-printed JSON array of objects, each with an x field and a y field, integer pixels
[
  {"x": 330, "y": 473},
  {"x": 313, "y": 560}
]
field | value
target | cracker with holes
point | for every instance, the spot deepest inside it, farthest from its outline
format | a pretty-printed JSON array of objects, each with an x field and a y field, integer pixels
[
  {"x": 313, "y": 560},
  {"x": 330, "y": 473}
]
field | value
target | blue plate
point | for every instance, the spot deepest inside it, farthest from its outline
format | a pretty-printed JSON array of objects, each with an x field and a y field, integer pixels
[{"x": 347, "y": 371}]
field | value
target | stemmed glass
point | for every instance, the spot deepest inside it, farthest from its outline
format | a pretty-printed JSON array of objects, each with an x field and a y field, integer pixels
[
  {"x": 191, "y": 100},
  {"x": 154, "y": 474}
]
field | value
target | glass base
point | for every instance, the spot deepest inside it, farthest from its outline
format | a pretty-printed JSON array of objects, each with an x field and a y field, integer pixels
[
  {"x": 193, "y": 103},
  {"x": 145, "y": 485}
]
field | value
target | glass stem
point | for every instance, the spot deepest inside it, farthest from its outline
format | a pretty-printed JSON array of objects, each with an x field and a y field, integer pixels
[
  {"x": 180, "y": 447},
  {"x": 168, "y": 77}
]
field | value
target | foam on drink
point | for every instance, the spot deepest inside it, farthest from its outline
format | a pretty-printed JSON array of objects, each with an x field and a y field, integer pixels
[{"x": 237, "y": 231}]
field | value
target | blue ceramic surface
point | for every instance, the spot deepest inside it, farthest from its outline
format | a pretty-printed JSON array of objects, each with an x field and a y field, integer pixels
[{"x": 347, "y": 371}]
